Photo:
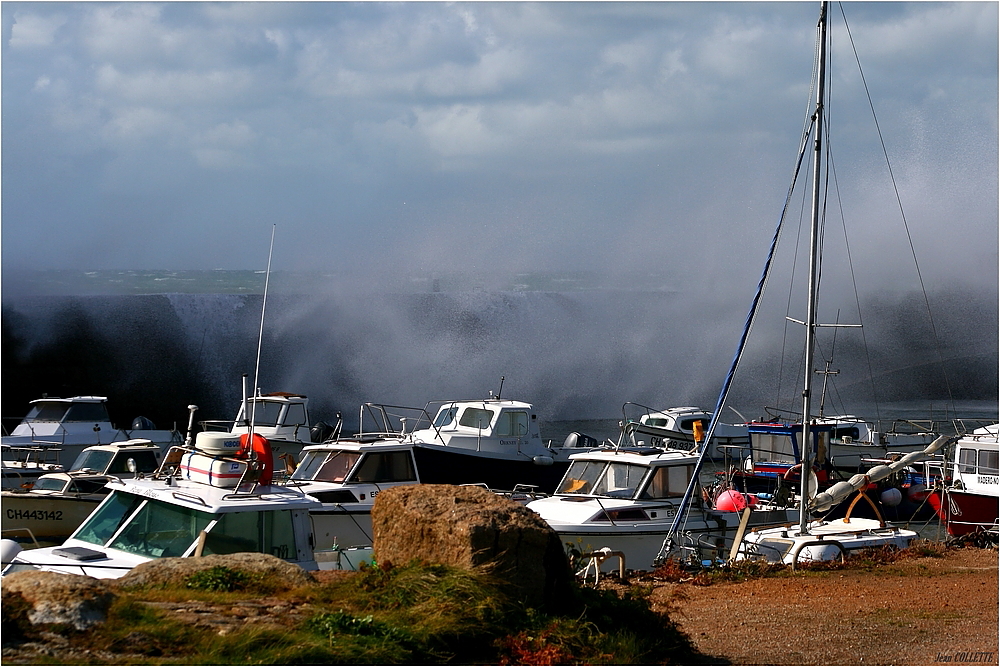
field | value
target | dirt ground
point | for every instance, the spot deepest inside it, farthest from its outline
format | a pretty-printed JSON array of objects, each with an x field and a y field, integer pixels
[{"x": 922, "y": 611}]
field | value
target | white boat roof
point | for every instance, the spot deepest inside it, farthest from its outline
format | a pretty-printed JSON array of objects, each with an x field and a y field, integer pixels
[
  {"x": 382, "y": 445},
  {"x": 279, "y": 397},
  {"x": 215, "y": 499},
  {"x": 497, "y": 402},
  {"x": 647, "y": 457},
  {"x": 73, "y": 399}
]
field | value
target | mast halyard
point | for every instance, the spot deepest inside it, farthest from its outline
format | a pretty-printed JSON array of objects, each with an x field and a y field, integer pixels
[{"x": 813, "y": 275}]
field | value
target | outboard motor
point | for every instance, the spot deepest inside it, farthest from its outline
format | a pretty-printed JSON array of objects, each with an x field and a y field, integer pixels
[
  {"x": 143, "y": 424},
  {"x": 580, "y": 441},
  {"x": 320, "y": 432}
]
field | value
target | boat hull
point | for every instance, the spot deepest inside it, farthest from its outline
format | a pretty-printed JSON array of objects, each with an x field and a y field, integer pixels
[
  {"x": 47, "y": 517},
  {"x": 442, "y": 465},
  {"x": 964, "y": 512}
]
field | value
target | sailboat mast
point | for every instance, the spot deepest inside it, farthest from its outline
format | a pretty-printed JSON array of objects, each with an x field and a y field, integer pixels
[{"x": 806, "y": 442}]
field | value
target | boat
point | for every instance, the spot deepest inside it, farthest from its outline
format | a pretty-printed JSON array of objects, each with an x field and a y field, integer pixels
[
  {"x": 281, "y": 417},
  {"x": 22, "y": 465},
  {"x": 826, "y": 539},
  {"x": 58, "y": 502},
  {"x": 66, "y": 426},
  {"x": 682, "y": 428},
  {"x": 347, "y": 473},
  {"x": 967, "y": 495},
  {"x": 493, "y": 441},
  {"x": 201, "y": 500},
  {"x": 771, "y": 466},
  {"x": 624, "y": 500}
]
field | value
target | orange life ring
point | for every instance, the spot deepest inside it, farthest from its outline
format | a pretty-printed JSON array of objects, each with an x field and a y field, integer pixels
[{"x": 260, "y": 448}]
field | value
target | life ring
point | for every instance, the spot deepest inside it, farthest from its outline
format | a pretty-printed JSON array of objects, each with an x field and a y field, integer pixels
[{"x": 258, "y": 449}]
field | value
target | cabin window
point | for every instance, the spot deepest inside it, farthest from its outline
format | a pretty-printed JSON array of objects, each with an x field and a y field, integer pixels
[
  {"x": 326, "y": 467},
  {"x": 631, "y": 514},
  {"x": 668, "y": 482},
  {"x": 88, "y": 486},
  {"x": 295, "y": 415},
  {"x": 254, "y": 532},
  {"x": 688, "y": 424},
  {"x": 620, "y": 480},
  {"x": 161, "y": 530},
  {"x": 655, "y": 421},
  {"x": 87, "y": 412},
  {"x": 512, "y": 424},
  {"x": 265, "y": 414},
  {"x": 46, "y": 412},
  {"x": 108, "y": 518},
  {"x": 385, "y": 467},
  {"x": 95, "y": 459},
  {"x": 445, "y": 416},
  {"x": 772, "y": 447},
  {"x": 144, "y": 462},
  {"x": 841, "y": 433},
  {"x": 967, "y": 460},
  {"x": 48, "y": 484},
  {"x": 988, "y": 461},
  {"x": 581, "y": 476},
  {"x": 476, "y": 418}
]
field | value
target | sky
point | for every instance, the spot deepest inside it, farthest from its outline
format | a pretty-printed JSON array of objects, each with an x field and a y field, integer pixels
[{"x": 490, "y": 138}]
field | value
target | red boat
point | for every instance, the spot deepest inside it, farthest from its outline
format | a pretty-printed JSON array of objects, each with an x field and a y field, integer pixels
[{"x": 968, "y": 499}]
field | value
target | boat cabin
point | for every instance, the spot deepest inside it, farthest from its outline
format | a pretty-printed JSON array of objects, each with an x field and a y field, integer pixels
[
  {"x": 181, "y": 511},
  {"x": 276, "y": 416},
  {"x": 52, "y": 420},
  {"x": 114, "y": 459},
  {"x": 977, "y": 461},
  {"x": 490, "y": 425},
  {"x": 354, "y": 472}
]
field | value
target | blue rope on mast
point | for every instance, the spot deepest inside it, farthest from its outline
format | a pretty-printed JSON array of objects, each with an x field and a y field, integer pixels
[{"x": 681, "y": 514}]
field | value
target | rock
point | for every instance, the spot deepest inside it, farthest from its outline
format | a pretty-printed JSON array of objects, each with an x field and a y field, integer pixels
[
  {"x": 471, "y": 527},
  {"x": 68, "y": 599},
  {"x": 279, "y": 574}
]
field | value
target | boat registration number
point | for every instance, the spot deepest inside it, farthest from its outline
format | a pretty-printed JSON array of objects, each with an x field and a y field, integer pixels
[
  {"x": 988, "y": 479},
  {"x": 35, "y": 515}
]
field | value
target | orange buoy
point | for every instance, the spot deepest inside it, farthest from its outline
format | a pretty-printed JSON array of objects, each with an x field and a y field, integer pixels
[{"x": 260, "y": 449}]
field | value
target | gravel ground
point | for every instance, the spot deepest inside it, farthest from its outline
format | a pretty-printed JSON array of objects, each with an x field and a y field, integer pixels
[{"x": 922, "y": 611}]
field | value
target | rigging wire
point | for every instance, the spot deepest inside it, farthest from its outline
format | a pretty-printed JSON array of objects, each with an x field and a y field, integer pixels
[
  {"x": 681, "y": 515},
  {"x": 902, "y": 214}
]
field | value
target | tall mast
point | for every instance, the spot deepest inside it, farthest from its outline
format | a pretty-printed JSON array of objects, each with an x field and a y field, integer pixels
[{"x": 806, "y": 442}]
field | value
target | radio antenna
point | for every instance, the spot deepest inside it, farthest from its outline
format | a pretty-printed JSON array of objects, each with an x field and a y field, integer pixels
[{"x": 260, "y": 337}]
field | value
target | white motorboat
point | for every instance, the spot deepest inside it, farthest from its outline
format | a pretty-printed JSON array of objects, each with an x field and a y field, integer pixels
[
  {"x": 58, "y": 502},
  {"x": 967, "y": 495},
  {"x": 68, "y": 425},
  {"x": 822, "y": 540},
  {"x": 21, "y": 466},
  {"x": 495, "y": 442},
  {"x": 199, "y": 502},
  {"x": 281, "y": 417},
  {"x": 624, "y": 500},
  {"x": 682, "y": 428}
]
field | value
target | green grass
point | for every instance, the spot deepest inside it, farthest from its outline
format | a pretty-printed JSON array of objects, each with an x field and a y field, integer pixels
[{"x": 413, "y": 614}]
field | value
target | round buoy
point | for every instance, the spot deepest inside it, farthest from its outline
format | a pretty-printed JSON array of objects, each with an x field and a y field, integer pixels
[
  {"x": 730, "y": 501},
  {"x": 891, "y": 497},
  {"x": 916, "y": 492}
]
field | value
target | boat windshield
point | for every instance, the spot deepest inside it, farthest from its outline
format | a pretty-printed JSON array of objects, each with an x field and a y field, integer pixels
[
  {"x": 116, "y": 463},
  {"x": 601, "y": 478},
  {"x": 254, "y": 532},
  {"x": 326, "y": 466},
  {"x": 476, "y": 418},
  {"x": 95, "y": 459},
  {"x": 265, "y": 414},
  {"x": 73, "y": 412},
  {"x": 161, "y": 530},
  {"x": 48, "y": 484},
  {"x": 108, "y": 518}
]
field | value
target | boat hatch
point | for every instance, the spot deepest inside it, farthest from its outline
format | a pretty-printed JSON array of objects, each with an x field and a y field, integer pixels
[
  {"x": 156, "y": 529},
  {"x": 63, "y": 412}
]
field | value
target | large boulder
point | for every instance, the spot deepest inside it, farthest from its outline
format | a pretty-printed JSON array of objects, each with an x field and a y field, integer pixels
[
  {"x": 279, "y": 574},
  {"x": 471, "y": 527},
  {"x": 53, "y": 597}
]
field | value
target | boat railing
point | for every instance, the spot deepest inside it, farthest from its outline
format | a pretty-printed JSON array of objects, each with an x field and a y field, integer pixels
[{"x": 392, "y": 421}]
